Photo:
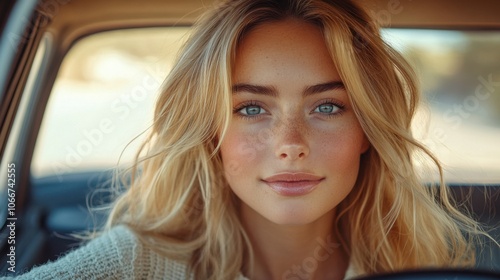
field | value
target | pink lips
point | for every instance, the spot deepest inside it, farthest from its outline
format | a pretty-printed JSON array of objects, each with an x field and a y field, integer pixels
[{"x": 293, "y": 184}]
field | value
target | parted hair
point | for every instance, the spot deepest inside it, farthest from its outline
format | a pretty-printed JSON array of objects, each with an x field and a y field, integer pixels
[{"x": 178, "y": 201}]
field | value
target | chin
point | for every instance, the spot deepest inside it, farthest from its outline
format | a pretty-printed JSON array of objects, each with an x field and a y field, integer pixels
[{"x": 293, "y": 216}]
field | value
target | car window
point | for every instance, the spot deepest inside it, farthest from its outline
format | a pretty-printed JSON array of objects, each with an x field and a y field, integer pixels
[
  {"x": 459, "y": 121},
  {"x": 103, "y": 99},
  {"x": 106, "y": 88}
]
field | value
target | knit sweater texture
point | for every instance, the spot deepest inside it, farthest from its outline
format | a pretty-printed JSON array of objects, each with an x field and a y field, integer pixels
[{"x": 117, "y": 254}]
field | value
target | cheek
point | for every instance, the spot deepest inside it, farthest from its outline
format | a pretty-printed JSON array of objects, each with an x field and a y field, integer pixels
[
  {"x": 341, "y": 149},
  {"x": 239, "y": 151}
]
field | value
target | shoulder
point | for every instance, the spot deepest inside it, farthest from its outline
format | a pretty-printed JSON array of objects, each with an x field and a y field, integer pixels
[
  {"x": 105, "y": 257},
  {"x": 115, "y": 254}
]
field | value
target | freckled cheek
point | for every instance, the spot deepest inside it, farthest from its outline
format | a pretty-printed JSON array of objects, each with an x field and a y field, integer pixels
[
  {"x": 340, "y": 146},
  {"x": 241, "y": 149}
]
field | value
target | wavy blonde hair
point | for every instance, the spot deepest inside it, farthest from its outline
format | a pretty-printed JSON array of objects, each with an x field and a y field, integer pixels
[{"x": 180, "y": 204}]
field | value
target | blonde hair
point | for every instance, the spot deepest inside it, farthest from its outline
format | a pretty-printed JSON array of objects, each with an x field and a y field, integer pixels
[{"x": 180, "y": 204}]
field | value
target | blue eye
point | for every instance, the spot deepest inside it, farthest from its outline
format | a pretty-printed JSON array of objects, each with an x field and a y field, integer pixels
[
  {"x": 327, "y": 108},
  {"x": 251, "y": 110}
]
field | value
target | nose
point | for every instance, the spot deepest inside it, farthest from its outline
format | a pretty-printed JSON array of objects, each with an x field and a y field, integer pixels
[
  {"x": 292, "y": 152},
  {"x": 291, "y": 142}
]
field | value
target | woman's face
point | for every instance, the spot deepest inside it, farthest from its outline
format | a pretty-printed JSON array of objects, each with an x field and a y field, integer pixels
[{"x": 292, "y": 150}]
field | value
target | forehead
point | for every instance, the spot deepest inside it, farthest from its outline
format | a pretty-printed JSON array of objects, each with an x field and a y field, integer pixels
[
  {"x": 280, "y": 34},
  {"x": 282, "y": 48}
]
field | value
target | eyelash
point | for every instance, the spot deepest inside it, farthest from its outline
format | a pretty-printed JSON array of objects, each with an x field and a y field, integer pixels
[
  {"x": 244, "y": 105},
  {"x": 335, "y": 103}
]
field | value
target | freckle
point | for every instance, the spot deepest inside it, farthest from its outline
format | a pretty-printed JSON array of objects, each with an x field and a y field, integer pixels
[
  {"x": 299, "y": 126},
  {"x": 251, "y": 140}
]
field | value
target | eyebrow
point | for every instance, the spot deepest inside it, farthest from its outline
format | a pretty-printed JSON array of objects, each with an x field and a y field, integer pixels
[
  {"x": 324, "y": 87},
  {"x": 264, "y": 90},
  {"x": 271, "y": 91}
]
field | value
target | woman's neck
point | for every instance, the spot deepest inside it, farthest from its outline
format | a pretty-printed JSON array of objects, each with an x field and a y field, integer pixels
[{"x": 294, "y": 251}]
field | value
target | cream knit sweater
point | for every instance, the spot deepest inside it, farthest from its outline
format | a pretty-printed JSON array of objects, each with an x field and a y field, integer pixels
[{"x": 117, "y": 254}]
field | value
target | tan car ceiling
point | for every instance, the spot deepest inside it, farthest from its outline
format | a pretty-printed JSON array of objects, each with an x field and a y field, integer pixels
[{"x": 77, "y": 18}]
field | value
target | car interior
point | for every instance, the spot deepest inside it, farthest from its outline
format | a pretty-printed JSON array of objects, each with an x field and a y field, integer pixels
[{"x": 38, "y": 35}]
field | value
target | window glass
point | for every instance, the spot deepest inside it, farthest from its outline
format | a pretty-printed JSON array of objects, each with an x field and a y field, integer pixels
[
  {"x": 459, "y": 121},
  {"x": 103, "y": 98}
]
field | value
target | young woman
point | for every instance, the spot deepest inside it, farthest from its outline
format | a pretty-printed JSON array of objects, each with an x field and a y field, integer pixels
[{"x": 281, "y": 149}]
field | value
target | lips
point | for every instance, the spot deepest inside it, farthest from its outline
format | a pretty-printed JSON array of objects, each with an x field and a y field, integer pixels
[{"x": 293, "y": 183}]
